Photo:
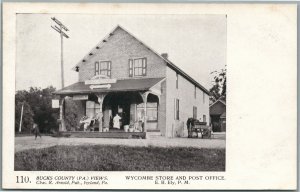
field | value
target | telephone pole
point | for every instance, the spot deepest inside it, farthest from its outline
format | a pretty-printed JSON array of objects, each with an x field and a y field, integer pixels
[
  {"x": 20, "y": 125},
  {"x": 61, "y": 30}
]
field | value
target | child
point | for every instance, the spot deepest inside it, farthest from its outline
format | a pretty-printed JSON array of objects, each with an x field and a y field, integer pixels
[{"x": 36, "y": 130}]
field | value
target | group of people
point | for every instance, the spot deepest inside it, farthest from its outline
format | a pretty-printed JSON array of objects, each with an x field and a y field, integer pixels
[{"x": 86, "y": 121}]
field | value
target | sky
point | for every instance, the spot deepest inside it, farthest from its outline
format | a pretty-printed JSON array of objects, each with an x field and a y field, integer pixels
[{"x": 195, "y": 43}]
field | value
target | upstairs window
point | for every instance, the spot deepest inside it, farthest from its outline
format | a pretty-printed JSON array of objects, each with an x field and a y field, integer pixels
[
  {"x": 195, "y": 92},
  {"x": 203, "y": 97},
  {"x": 137, "y": 67},
  {"x": 103, "y": 68}
]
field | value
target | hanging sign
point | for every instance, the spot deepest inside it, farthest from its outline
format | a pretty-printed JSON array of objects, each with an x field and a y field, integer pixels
[
  {"x": 55, "y": 103},
  {"x": 80, "y": 97}
]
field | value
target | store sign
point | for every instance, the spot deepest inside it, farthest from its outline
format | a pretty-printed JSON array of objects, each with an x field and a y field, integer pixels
[
  {"x": 55, "y": 103},
  {"x": 99, "y": 80},
  {"x": 80, "y": 97},
  {"x": 105, "y": 86}
]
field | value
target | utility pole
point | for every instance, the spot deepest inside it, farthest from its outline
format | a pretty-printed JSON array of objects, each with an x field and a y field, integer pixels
[
  {"x": 62, "y": 35},
  {"x": 20, "y": 126}
]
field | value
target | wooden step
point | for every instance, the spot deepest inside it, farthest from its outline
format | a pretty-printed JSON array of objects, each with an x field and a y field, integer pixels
[{"x": 124, "y": 135}]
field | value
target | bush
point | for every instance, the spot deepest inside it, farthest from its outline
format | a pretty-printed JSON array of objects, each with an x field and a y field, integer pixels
[{"x": 73, "y": 113}]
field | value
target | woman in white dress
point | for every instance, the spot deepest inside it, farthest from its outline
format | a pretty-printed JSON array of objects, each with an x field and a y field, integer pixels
[{"x": 116, "y": 121}]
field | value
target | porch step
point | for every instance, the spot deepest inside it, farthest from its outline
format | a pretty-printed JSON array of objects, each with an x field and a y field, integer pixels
[
  {"x": 121, "y": 135},
  {"x": 152, "y": 134}
]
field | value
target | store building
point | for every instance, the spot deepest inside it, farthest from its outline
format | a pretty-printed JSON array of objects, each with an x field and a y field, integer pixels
[{"x": 123, "y": 75}]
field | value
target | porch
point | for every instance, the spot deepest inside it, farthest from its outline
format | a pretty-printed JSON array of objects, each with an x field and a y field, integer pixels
[{"x": 135, "y": 101}]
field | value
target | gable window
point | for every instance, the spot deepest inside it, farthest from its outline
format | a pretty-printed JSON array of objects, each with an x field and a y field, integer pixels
[
  {"x": 103, "y": 68},
  {"x": 176, "y": 80},
  {"x": 194, "y": 112},
  {"x": 195, "y": 92},
  {"x": 137, "y": 67},
  {"x": 176, "y": 111},
  {"x": 203, "y": 97}
]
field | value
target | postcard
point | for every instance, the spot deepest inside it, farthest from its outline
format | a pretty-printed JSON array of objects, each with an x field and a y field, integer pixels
[{"x": 149, "y": 96}]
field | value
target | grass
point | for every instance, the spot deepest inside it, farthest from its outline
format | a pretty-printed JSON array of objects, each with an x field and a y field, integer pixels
[{"x": 119, "y": 158}]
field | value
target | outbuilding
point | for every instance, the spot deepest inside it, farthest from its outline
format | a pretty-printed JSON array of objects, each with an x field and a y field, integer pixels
[{"x": 217, "y": 112}]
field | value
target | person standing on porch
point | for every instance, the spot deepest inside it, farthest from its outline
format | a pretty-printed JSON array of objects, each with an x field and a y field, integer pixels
[{"x": 116, "y": 121}]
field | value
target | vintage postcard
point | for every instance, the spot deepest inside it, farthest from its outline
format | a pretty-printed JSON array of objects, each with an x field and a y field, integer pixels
[{"x": 149, "y": 96}]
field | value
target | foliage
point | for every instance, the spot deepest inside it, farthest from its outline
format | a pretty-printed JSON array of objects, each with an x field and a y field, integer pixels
[
  {"x": 218, "y": 90},
  {"x": 73, "y": 113},
  {"x": 37, "y": 108},
  {"x": 120, "y": 158}
]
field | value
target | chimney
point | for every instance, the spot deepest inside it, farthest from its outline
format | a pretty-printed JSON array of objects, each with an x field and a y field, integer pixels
[{"x": 164, "y": 55}]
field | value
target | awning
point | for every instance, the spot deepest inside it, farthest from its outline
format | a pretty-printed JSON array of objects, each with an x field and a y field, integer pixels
[{"x": 142, "y": 84}]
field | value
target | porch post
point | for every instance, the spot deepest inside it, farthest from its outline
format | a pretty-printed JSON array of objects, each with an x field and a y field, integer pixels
[
  {"x": 100, "y": 116},
  {"x": 62, "y": 125},
  {"x": 145, "y": 95}
]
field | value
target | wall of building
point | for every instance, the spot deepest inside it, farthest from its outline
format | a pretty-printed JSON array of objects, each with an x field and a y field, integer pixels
[
  {"x": 185, "y": 94},
  {"x": 119, "y": 48},
  {"x": 162, "y": 109}
]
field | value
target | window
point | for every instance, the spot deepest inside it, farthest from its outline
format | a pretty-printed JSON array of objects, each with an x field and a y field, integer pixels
[
  {"x": 176, "y": 109},
  {"x": 103, "y": 68},
  {"x": 92, "y": 108},
  {"x": 203, "y": 97},
  {"x": 151, "y": 111},
  {"x": 195, "y": 92},
  {"x": 137, "y": 67},
  {"x": 176, "y": 80},
  {"x": 194, "y": 112},
  {"x": 204, "y": 118}
]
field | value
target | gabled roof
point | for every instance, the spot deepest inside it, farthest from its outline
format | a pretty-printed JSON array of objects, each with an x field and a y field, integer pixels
[
  {"x": 168, "y": 62},
  {"x": 142, "y": 84},
  {"x": 219, "y": 100}
]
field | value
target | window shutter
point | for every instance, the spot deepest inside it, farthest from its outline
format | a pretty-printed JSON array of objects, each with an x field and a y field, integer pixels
[
  {"x": 144, "y": 66},
  {"x": 130, "y": 68},
  {"x": 175, "y": 109},
  {"x": 96, "y": 68},
  {"x": 109, "y": 69},
  {"x": 178, "y": 109}
]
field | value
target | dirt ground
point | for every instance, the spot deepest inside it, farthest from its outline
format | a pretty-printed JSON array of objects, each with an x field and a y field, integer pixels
[{"x": 28, "y": 142}]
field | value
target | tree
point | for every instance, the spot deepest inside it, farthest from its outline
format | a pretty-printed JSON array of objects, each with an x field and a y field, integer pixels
[
  {"x": 39, "y": 101},
  {"x": 218, "y": 90}
]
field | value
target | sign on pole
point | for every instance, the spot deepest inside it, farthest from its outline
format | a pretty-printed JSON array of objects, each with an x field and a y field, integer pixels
[{"x": 55, "y": 103}]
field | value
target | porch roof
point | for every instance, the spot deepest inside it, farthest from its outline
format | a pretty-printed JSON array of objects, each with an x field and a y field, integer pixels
[{"x": 142, "y": 84}]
